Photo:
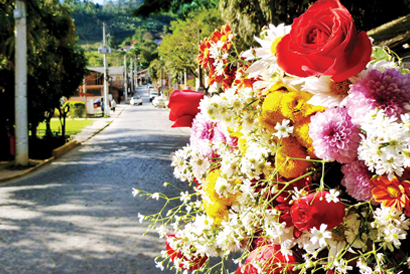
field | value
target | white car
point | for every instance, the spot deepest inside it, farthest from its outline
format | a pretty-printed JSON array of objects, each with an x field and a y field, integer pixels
[
  {"x": 136, "y": 100},
  {"x": 153, "y": 93},
  {"x": 159, "y": 101}
]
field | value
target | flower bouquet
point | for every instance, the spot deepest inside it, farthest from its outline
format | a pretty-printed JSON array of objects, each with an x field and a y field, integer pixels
[{"x": 299, "y": 159}]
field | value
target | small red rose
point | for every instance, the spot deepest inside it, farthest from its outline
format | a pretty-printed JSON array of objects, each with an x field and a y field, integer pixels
[
  {"x": 194, "y": 263},
  {"x": 270, "y": 259},
  {"x": 184, "y": 107},
  {"x": 324, "y": 41},
  {"x": 313, "y": 210}
]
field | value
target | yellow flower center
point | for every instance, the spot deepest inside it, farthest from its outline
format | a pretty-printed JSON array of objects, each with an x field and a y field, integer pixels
[
  {"x": 274, "y": 44},
  {"x": 393, "y": 192},
  {"x": 340, "y": 88},
  {"x": 224, "y": 38}
]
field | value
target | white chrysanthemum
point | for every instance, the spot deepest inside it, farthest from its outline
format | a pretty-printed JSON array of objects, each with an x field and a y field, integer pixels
[
  {"x": 389, "y": 226},
  {"x": 384, "y": 147},
  {"x": 267, "y": 53},
  {"x": 255, "y": 159},
  {"x": 200, "y": 165}
]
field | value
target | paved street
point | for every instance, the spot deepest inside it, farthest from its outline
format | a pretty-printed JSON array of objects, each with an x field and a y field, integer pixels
[{"x": 78, "y": 215}]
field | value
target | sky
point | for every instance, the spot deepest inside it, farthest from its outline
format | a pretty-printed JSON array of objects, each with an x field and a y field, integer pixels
[{"x": 98, "y": 1}]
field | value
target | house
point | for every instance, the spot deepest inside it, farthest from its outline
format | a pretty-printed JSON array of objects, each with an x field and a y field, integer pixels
[{"x": 94, "y": 84}]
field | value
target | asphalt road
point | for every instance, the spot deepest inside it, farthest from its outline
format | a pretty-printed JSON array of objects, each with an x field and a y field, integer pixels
[{"x": 78, "y": 215}]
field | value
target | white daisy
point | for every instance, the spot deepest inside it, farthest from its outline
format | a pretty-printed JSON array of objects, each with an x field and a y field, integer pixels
[
  {"x": 320, "y": 235},
  {"x": 326, "y": 92},
  {"x": 284, "y": 130},
  {"x": 267, "y": 53}
]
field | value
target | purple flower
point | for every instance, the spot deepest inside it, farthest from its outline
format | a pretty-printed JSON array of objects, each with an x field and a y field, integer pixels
[
  {"x": 357, "y": 180},
  {"x": 388, "y": 91},
  {"x": 334, "y": 135}
]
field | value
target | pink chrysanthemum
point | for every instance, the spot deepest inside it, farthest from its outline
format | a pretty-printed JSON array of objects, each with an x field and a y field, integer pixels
[
  {"x": 334, "y": 135},
  {"x": 388, "y": 91},
  {"x": 357, "y": 180},
  {"x": 203, "y": 133}
]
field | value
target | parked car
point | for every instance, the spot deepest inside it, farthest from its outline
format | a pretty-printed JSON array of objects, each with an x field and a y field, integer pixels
[
  {"x": 149, "y": 85},
  {"x": 153, "y": 93},
  {"x": 136, "y": 100},
  {"x": 159, "y": 101}
]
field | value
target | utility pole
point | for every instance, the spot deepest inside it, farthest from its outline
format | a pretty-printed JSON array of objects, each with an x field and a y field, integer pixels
[
  {"x": 106, "y": 103},
  {"x": 136, "y": 74},
  {"x": 126, "y": 79},
  {"x": 20, "y": 95},
  {"x": 132, "y": 78}
]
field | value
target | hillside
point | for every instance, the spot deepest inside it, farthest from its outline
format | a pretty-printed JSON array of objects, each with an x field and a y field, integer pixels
[{"x": 89, "y": 17}]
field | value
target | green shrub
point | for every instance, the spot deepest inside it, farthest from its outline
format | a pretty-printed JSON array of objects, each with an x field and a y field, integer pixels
[{"x": 77, "y": 109}]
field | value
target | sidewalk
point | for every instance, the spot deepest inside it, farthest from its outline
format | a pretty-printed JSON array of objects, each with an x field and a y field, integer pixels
[{"x": 8, "y": 171}]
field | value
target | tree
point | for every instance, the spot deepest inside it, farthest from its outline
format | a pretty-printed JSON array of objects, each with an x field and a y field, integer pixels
[
  {"x": 181, "y": 8},
  {"x": 112, "y": 42},
  {"x": 55, "y": 67},
  {"x": 179, "y": 50},
  {"x": 247, "y": 18}
]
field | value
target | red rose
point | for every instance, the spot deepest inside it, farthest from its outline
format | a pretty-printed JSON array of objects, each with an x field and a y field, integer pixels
[
  {"x": 324, "y": 41},
  {"x": 270, "y": 259},
  {"x": 194, "y": 263},
  {"x": 184, "y": 106},
  {"x": 313, "y": 210}
]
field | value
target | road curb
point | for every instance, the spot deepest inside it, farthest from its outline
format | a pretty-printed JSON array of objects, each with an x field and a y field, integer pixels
[
  {"x": 58, "y": 152},
  {"x": 26, "y": 171},
  {"x": 64, "y": 148}
]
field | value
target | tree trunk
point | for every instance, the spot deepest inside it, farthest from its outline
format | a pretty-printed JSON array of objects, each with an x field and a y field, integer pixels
[
  {"x": 49, "y": 114},
  {"x": 63, "y": 114}
]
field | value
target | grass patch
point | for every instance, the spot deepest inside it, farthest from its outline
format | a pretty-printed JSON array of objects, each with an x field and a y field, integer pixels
[{"x": 72, "y": 126}]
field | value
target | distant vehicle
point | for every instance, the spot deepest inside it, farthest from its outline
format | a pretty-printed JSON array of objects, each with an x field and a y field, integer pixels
[
  {"x": 149, "y": 85},
  {"x": 153, "y": 93},
  {"x": 136, "y": 100},
  {"x": 159, "y": 101}
]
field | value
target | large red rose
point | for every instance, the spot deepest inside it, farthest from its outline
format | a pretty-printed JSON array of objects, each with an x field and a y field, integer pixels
[
  {"x": 194, "y": 262},
  {"x": 184, "y": 106},
  {"x": 313, "y": 210},
  {"x": 324, "y": 41},
  {"x": 270, "y": 259}
]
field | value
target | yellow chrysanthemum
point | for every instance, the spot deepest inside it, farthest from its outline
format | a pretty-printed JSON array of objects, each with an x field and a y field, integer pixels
[
  {"x": 291, "y": 168},
  {"x": 242, "y": 145},
  {"x": 216, "y": 206},
  {"x": 217, "y": 211},
  {"x": 301, "y": 132},
  {"x": 293, "y": 105},
  {"x": 271, "y": 110},
  {"x": 235, "y": 132}
]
